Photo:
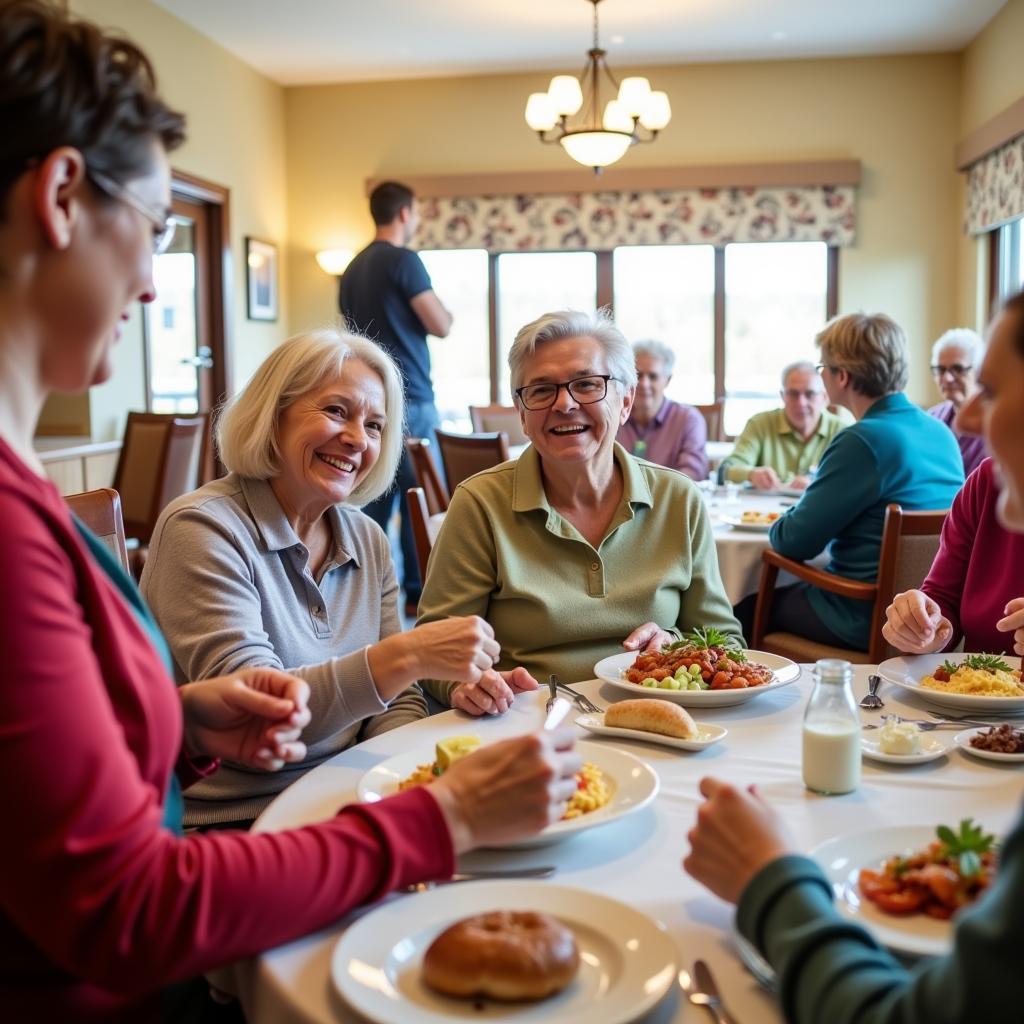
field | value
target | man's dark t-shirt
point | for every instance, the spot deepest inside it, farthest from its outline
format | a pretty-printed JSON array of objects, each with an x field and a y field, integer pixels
[{"x": 374, "y": 298}]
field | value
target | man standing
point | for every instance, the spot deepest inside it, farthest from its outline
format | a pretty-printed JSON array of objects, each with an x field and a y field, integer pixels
[
  {"x": 780, "y": 448},
  {"x": 386, "y": 294}
]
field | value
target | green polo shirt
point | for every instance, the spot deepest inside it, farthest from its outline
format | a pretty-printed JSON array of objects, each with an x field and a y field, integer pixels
[
  {"x": 769, "y": 439},
  {"x": 557, "y": 604}
]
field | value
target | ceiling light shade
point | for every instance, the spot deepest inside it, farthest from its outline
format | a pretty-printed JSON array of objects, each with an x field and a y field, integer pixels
[
  {"x": 541, "y": 115},
  {"x": 334, "y": 261},
  {"x": 657, "y": 113},
  {"x": 616, "y": 119},
  {"x": 565, "y": 94},
  {"x": 597, "y": 148},
  {"x": 633, "y": 94}
]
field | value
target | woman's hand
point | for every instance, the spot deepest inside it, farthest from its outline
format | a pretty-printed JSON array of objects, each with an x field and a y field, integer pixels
[
  {"x": 799, "y": 483},
  {"x": 915, "y": 624},
  {"x": 648, "y": 637},
  {"x": 1014, "y": 619},
  {"x": 736, "y": 835},
  {"x": 254, "y": 717},
  {"x": 493, "y": 693},
  {"x": 764, "y": 478},
  {"x": 508, "y": 790}
]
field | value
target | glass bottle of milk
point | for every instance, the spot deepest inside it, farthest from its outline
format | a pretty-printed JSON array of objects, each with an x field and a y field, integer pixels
[{"x": 831, "y": 755}]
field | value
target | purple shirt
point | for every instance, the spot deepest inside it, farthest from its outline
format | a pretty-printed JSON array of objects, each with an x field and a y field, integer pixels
[
  {"x": 979, "y": 567},
  {"x": 676, "y": 437},
  {"x": 972, "y": 447}
]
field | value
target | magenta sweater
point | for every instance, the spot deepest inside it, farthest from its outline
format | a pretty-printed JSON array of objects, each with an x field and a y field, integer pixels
[{"x": 979, "y": 567}]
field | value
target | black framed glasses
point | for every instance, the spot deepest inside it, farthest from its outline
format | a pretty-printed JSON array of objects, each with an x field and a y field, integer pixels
[
  {"x": 163, "y": 224},
  {"x": 826, "y": 366},
  {"x": 584, "y": 390},
  {"x": 954, "y": 370}
]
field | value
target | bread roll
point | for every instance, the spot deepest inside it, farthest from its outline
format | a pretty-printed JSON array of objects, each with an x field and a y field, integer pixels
[
  {"x": 504, "y": 954},
  {"x": 660, "y": 716}
]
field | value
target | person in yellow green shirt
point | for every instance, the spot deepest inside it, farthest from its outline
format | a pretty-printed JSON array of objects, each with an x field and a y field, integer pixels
[{"x": 782, "y": 447}]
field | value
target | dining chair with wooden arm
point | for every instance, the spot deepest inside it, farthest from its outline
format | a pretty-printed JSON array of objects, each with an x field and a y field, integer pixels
[
  {"x": 427, "y": 476},
  {"x": 488, "y": 418},
  {"x": 100, "y": 511},
  {"x": 910, "y": 541},
  {"x": 463, "y": 455},
  {"x": 714, "y": 417},
  {"x": 416, "y": 501}
]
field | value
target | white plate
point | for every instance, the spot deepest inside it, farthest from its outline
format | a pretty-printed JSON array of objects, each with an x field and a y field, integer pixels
[
  {"x": 633, "y": 785},
  {"x": 706, "y": 734},
  {"x": 931, "y": 749},
  {"x": 627, "y": 961},
  {"x": 908, "y": 671},
  {"x": 738, "y": 524},
  {"x": 611, "y": 669},
  {"x": 963, "y": 741},
  {"x": 842, "y": 858}
]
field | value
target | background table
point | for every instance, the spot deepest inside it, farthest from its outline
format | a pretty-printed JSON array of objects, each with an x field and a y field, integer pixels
[{"x": 637, "y": 860}]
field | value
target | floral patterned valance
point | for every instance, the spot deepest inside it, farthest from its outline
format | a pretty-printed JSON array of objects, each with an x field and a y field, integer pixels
[
  {"x": 995, "y": 188},
  {"x": 602, "y": 220}
]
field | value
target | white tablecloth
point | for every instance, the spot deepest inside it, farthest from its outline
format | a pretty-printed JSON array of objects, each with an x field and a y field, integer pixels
[{"x": 638, "y": 859}]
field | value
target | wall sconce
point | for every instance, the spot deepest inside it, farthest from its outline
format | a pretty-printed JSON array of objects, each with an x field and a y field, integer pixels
[{"x": 334, "y": 261}]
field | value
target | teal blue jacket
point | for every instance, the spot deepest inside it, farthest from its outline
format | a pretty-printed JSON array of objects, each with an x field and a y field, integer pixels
[{"x": 896, "y": 453}]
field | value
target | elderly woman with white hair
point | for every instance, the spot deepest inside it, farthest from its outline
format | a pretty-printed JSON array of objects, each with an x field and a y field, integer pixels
[
  {"x": 274, "y": 566},
  {"x": 576, "y": 550},
  {"x": 955, "y": 358}
]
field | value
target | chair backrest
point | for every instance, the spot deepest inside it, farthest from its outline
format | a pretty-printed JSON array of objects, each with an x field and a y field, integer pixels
[
  {"x": 100, "y": 510},
  {"x": 489, "y": 418},
  {"x": 714, "y": 417},
  {"x": 427, "y": 476},
  {"x": 418, "y": 515},
  {"x": 463, "y": 455},
  {"x": 910, "y": 542},
  {"x": 160, "y": 459}
]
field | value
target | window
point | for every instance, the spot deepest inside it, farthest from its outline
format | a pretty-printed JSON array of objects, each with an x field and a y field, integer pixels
[{"x": 1008, "y": 262}]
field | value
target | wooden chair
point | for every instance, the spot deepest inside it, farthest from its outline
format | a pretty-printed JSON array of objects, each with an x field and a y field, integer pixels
[
  {"x": 489, "y": 418},
  {"x": 714, "y": 417},
  {"x": 416, "y": 501},
  {"x": 910, "y": 541},
  {"x": 463, "y": 455},
  {"x": 429, "y": 480},
  {"x": 100, "y": 511}
]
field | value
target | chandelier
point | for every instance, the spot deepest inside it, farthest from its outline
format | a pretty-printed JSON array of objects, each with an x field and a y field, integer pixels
[{"x": 636, "y": 115}]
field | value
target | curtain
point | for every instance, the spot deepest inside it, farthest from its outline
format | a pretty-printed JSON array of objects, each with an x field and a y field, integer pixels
[{"x": 995, "y": 188}]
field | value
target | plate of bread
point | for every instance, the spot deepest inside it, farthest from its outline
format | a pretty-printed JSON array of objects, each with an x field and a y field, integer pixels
[
  {"x": 504, "y": 950},
  {"x": 652, "y": 721}
]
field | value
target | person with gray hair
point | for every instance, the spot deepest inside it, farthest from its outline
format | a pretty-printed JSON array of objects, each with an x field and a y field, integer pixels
[
  {"x": 274, "y": 564},
  {"x": 658, "y": 429},
  {"x": 576, "y": 550},
  {"x": 894, "y": 453},
  {"x": 955, "y": 358}
]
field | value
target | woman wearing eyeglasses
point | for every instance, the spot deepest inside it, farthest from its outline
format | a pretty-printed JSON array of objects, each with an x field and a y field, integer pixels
[
  {"x": 954, "y": 358},
  {"x": 576, "y": 550}
]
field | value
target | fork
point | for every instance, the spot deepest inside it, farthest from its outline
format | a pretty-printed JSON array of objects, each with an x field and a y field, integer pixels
[
  {"x": 553, "y": 687},
  {"x": 926, "y": 726},
  {"x": 582, "y": 702}
]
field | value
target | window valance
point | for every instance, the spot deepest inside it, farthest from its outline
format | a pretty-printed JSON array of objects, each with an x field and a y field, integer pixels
[
  {"x": 603, "y": 220},
  {"x": 995, "y": 188}
]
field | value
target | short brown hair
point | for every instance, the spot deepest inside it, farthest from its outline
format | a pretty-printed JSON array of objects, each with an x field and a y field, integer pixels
[
  {"x": 871, "y": 348},
  {"x": 66, "y": 82},
  {"x": 388, "y": 200}
]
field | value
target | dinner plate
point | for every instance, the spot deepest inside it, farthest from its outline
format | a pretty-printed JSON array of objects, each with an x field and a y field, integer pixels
[
  {"x": 706, "y": 734},
  {"x": 963, "y": 741},
  {"x": 931, "y": 749},
  {"x": 632, "y": 783},
  {"x": 737, "y": 523},
  {"x": 843, "y": 857},
  {"x": 611, "y": 669},
  {"x": 627, "y": 960},
  {"x": 908, "y": 671}
]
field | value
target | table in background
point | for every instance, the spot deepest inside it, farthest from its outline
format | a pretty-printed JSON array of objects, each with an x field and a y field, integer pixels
[{"x": 637, "y": 860}]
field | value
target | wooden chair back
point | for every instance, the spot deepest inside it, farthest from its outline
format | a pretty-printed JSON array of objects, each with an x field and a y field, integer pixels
[
  {"x": 714, "y": 417},
  {"x": 463, "y": 455},
  {"x": 492, "y": 418},
  {"x": 416, "y": 501},
  {"x": 100, "y": 511},
  {"x": 427, "y": 476}
]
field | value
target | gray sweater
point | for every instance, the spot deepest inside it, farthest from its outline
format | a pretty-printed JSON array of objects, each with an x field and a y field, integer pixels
[{"x": 228, "y": 582}]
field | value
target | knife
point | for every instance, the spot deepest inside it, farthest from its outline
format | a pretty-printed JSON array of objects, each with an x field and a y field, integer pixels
[
  {"x": 707, "y": 985},
  {"x": 472, "y": 876}
]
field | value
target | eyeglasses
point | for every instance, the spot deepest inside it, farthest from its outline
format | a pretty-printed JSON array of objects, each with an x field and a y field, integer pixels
[
  {"x": 827, "y": 366},
  {"x": 163, "y": 224},
  {"x": 794, "y": 394},
  {"x": 585, "y": 390},
  {"x": 955, "y": 370}
]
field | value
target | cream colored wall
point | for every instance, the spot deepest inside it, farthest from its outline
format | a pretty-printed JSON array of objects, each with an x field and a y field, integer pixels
[
  {"x": 899, "y": 115},
  {"x": 235, "y": 139}
]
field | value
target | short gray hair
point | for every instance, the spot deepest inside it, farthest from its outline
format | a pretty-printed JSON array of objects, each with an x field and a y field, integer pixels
[
  {"x": 960, "y": 337},
  {"x": 248, "y": 436},
  {"x": 871, "y": 348},
  {"x": 571, "y": 323},
  {"x": 656, "y": 350},
  {"x": 801, "y": 366}
]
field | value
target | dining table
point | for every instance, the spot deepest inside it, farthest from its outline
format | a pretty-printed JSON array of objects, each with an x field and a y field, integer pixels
[{"x": 636, "y": 858}]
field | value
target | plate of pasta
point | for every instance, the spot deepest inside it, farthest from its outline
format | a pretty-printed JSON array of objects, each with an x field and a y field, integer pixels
[
  {"x": 968, "y": 682},
  {"x": 611, "y": 785}
]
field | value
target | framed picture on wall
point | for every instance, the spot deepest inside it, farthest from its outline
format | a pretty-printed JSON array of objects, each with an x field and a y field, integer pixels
[{"x": 261, "y": 279}]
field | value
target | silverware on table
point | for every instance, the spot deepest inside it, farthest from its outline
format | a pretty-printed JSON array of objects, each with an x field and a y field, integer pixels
[
  {"x": 926, "y": 725},
  {"x": 556, "y": 710},
  {"x": 871, "y": 701},
  {"x": 582, "y": 702},
  {"x": 553, "y": 687},
  {"x": 473, "y": 876},
  {"x": 701, "y": 990}
]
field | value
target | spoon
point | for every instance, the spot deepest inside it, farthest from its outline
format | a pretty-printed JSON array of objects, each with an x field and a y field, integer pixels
[{"x": 871, "y": 701}]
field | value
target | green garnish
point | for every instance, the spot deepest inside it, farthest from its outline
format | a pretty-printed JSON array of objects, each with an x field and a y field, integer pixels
[
  {"x": 966, "y": 846},
  {"x": 708, "y": 636},
  {"x": 984, "y": 662}
]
